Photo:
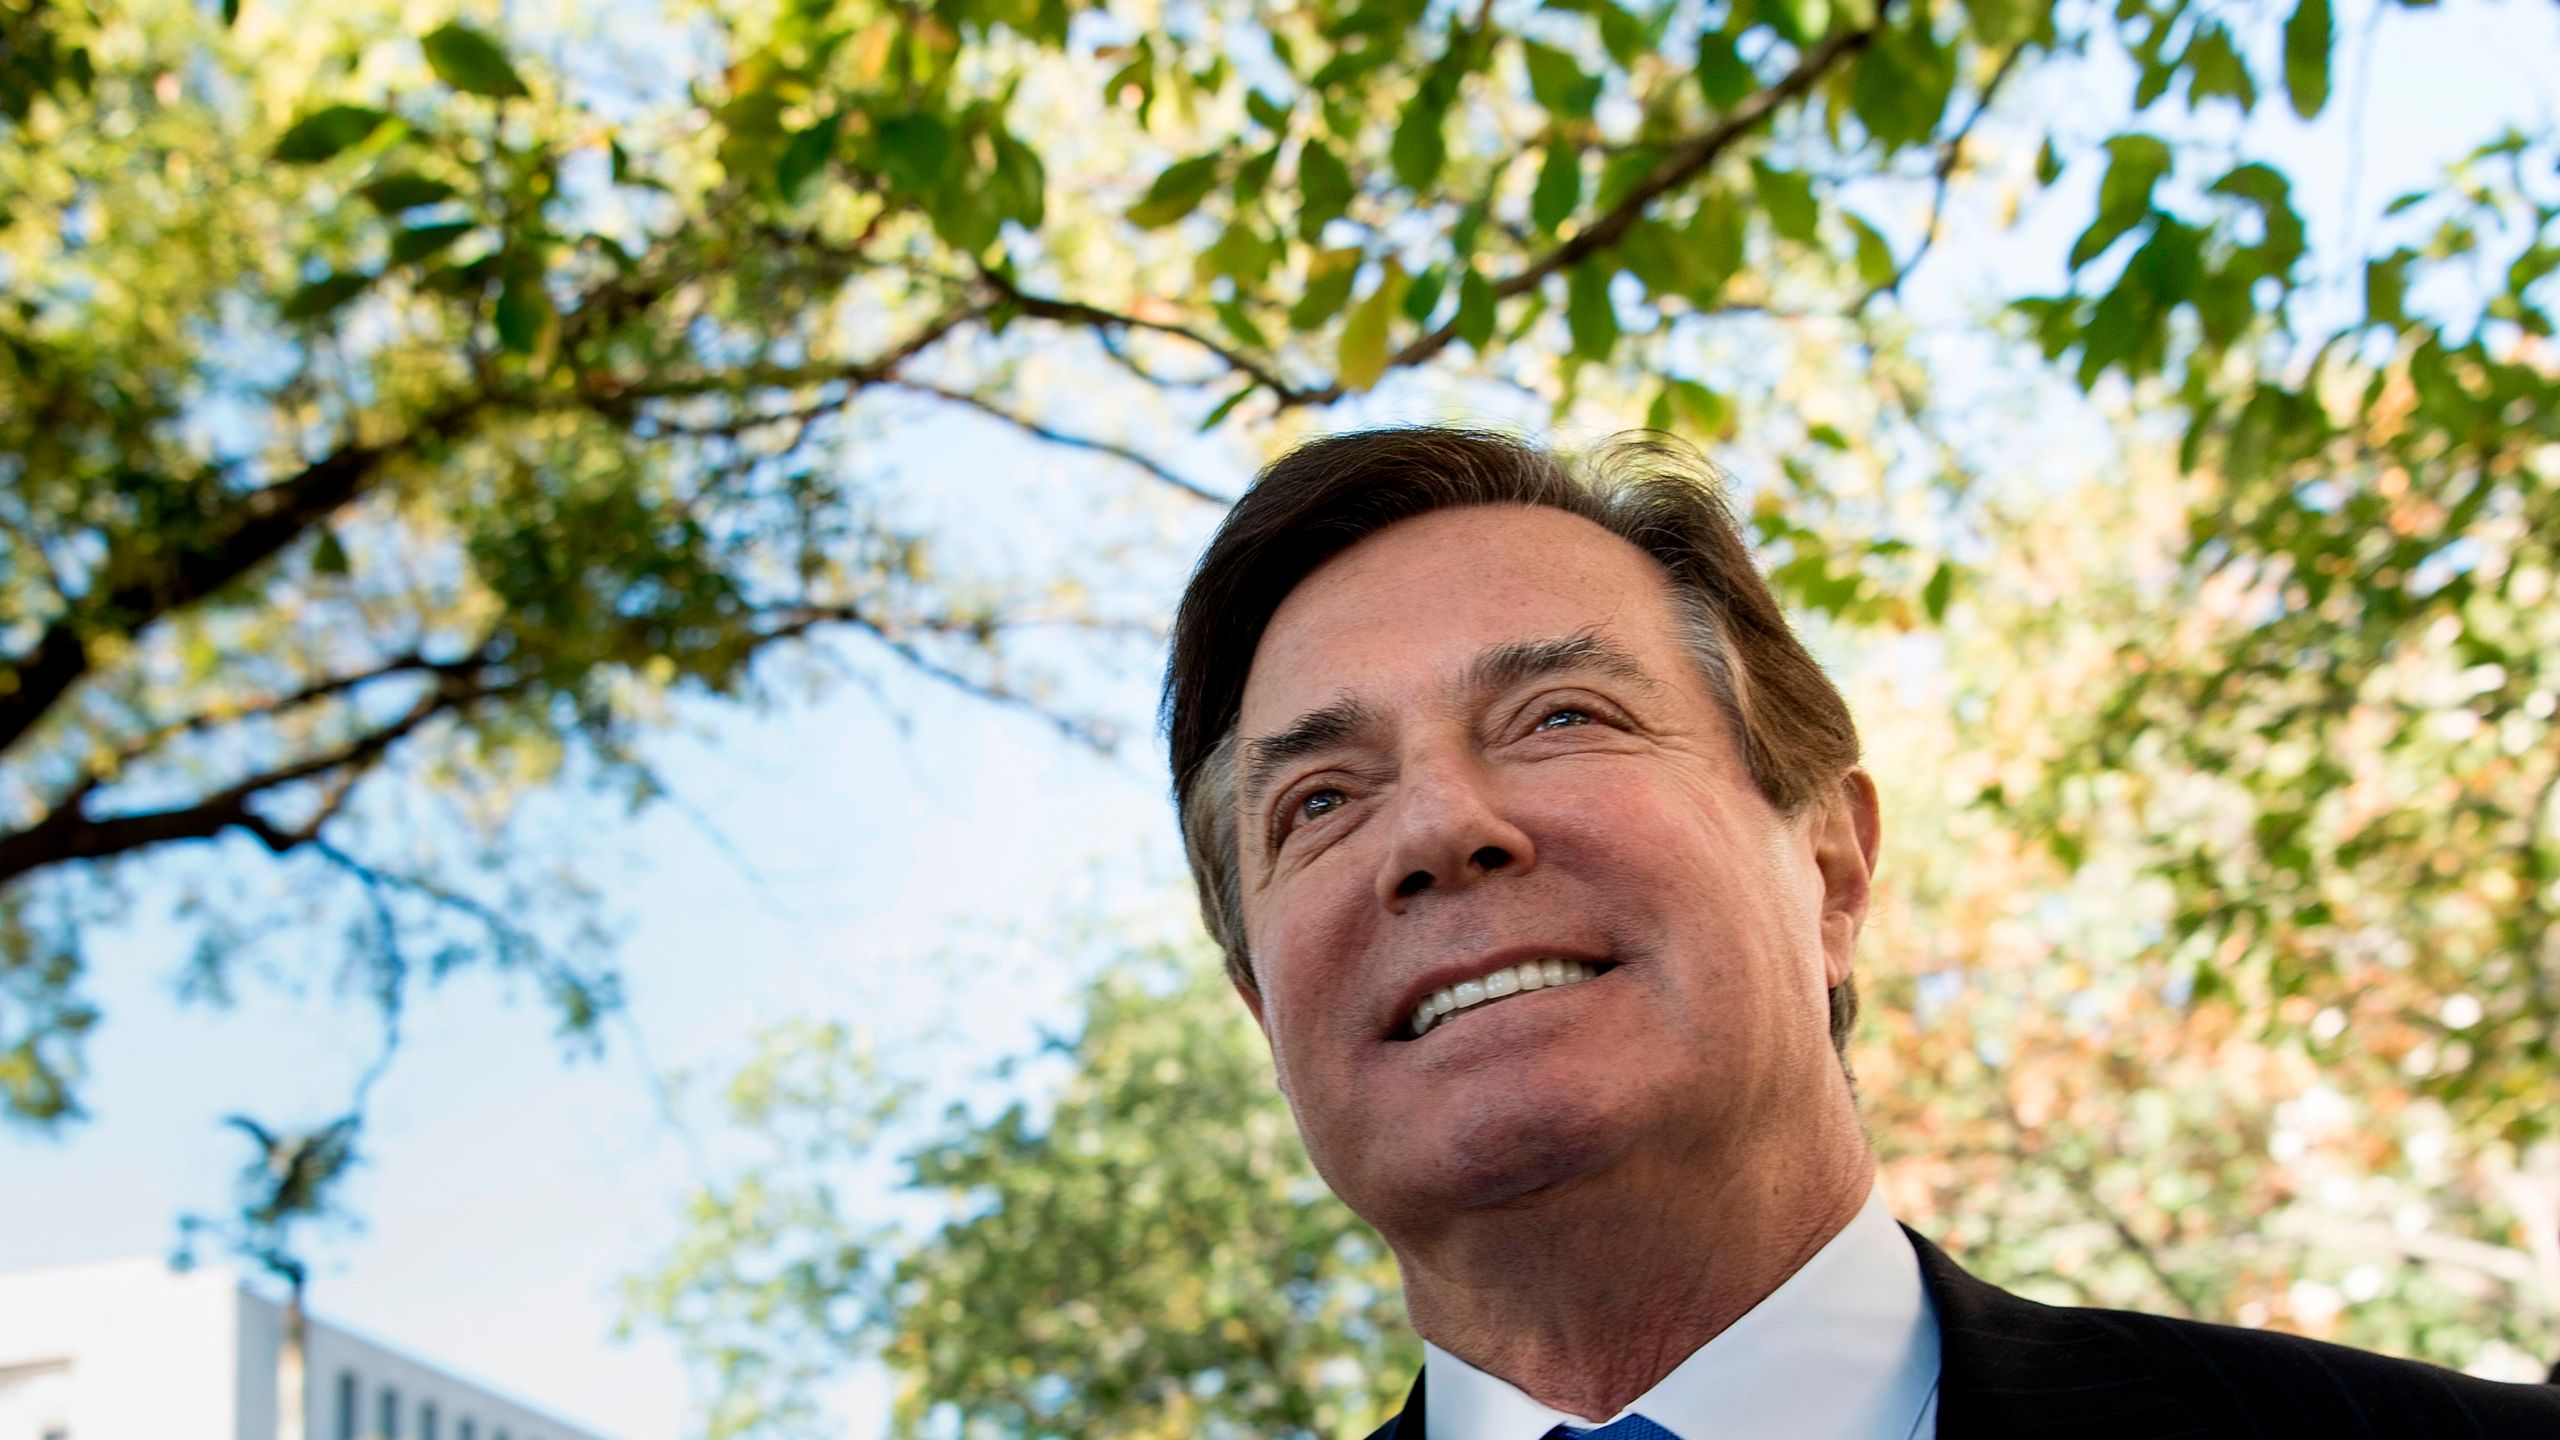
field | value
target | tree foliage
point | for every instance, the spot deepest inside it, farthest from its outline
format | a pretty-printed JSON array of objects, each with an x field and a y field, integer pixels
[{"x": 1145, "y": 1254}]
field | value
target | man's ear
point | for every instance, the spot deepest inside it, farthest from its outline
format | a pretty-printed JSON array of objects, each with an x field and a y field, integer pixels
[
  {"x": 1251, "y": 995},
  {"x": 1847, "y": 829}
]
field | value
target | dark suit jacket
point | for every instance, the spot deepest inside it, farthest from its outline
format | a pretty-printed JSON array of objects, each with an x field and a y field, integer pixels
[{"x": 2009, "y": 1367}]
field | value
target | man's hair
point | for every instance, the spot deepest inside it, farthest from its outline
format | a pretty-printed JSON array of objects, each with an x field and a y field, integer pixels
[{"x": 1320, "y": 499}]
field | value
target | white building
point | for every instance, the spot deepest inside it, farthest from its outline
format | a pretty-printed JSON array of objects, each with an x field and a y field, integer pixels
[{"x": 134, "y": 1350}]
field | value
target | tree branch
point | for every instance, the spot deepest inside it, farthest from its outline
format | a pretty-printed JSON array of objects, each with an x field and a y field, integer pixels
[
  {"x": 147, "y": 578},
  {"x": 798, "y": 620},
  {"x": 1607, "y": 230},
  {"x": 1056, "y": 437},
  {"x": 1075, "y": 312},
  {"x": 70, "y": 833},
  {"x": 610, "y": 395},
  {"x": 410, "y": 663}
]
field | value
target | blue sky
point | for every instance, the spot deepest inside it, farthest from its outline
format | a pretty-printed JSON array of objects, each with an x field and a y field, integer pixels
[{"x": 896, "y": 858}]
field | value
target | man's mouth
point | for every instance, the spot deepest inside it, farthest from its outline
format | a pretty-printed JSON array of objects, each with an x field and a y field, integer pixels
[{"x": 1467, "y": 996}]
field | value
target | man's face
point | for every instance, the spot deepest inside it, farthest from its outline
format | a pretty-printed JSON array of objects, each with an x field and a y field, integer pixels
[{"x": 1477, "y": 738}]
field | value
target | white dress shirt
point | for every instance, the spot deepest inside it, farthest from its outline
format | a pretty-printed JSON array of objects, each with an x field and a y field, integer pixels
[{"x": 1846, "y": 1349}]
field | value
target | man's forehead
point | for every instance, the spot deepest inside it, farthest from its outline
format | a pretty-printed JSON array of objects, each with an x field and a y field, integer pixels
[{"x": 1454, "y": 597}]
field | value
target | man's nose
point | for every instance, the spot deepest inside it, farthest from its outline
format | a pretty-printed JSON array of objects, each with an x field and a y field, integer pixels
[{"x": 1451, "y": 830}]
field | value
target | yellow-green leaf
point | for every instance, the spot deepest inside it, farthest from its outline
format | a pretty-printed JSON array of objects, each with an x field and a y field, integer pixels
[{"x": 1363, "y": 354}]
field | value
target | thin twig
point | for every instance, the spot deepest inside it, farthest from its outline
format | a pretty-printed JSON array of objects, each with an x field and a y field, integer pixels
[
  {"x": 1034, "y": 428},
  {"x": 1950, "y": 156}
]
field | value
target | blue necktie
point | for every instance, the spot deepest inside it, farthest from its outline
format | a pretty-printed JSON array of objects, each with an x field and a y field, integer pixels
[{"x": 1633, "y": 1427}]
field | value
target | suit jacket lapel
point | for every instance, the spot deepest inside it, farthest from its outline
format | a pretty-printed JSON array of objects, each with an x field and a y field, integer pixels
[
  {"x": 2008, "y": 1367},
  {"x": 1405, "y": 1424}
]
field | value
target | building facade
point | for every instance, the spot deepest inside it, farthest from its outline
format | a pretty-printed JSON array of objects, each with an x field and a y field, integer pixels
[{"x": 134, "y": 1350}]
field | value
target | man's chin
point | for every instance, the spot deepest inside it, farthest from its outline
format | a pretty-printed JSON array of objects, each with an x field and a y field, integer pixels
[{"x": 1499, "y": 1157}]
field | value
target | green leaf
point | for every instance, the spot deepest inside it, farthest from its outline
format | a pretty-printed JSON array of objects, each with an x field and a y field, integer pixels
[
  {"x": 1272, "y": 115},
  {"x": 329, "y": 554},
  {"x": 2000, "y": 24},
  {"x": 2214, "y": 68},
  {"x": 1241, "y": 253},
  {"x": 405, "y": 190},
  {"x": 1655, "y": 254},
  {"x": 1363, "y": 354},
  {"x": 1898, "y": 89},
  {"x": 1329, "y": 277},
  {"x": 1798, "y": 21},
  {"x": 1722, "y": 75},
  {"x": 420, "y": 241},
  {"x": 471, "y": 62},
  {"x": 2308, "y": 36},
  {"x": 1423, "y": 296},
  {"x": 1227, "y": 406},
  {"x": 2386, "y": 288},
  {"x": 1940, "y": 589},
  {"x": 326, "y": 131},
  {"x": 1876, "y": 267},
  {"x": 1559, "y": 83},
  {"x": 2135, "y": 164},
  {"x": 1324, "y": 187},
  {"x": 1588, "y": 315},
  {"x": 1177, "y": 192},
  {"x": 1475, "y": 310},
  {"x": 2048, "y": 162},
  {"x": 1559, "y": 189},
  {"x": 1788, "y": 197},
  {"x": 1420, "y": 146},
  {"x": 1254, "y": 175},
  {"x": 322, "y": 296},
  {"x": 524, "y": 313},
  {"x": 914, "y": 149},
  {"x": 1705, "y": 411},
  {"x": 1715, "y": 247},
  {"x": 805, "y": 156},
  {"x": 1240, "y": 325},
  {"x": 1020, "y": 185},
  {"x": 1623, "y": 173}
]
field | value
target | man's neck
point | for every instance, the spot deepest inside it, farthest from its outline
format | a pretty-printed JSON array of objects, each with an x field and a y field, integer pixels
[{"x": 1586, "y": 1299}]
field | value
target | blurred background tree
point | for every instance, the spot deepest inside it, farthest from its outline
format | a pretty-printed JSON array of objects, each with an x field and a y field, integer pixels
[{"x": 397, "y": 417}]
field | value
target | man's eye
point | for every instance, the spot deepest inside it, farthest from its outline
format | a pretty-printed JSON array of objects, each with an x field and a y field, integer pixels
[
  {"x": 1566, "y": 713},
  {"x": 1315, "y": 803}
]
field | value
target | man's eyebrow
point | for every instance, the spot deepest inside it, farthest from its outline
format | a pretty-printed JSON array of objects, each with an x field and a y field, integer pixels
[
  {"x": 1509, "y": 666},
  {"x": 1315, "y": 731},
  {"x": 1502, "y": 667}
]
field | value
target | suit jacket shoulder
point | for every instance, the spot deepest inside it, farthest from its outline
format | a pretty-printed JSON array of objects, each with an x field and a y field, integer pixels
[
  {"x": 2012, "y": 1369},
  {"x": 2009, "y": 1367}
]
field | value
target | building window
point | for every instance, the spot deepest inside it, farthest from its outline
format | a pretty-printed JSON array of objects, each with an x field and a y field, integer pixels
[
  {"x": 427, "y": 1420},
  {"x": 349, "y": 1421},
  {"x": 390, "y": 1413},
  {"x": 463, "y": 1428}
]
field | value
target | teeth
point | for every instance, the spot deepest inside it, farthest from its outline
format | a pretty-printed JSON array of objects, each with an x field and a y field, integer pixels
[{"x": 1467, "y": 994}]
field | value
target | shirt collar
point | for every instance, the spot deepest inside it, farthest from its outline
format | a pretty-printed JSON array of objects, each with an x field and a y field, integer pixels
[{"x": 1845, "y": 1349}]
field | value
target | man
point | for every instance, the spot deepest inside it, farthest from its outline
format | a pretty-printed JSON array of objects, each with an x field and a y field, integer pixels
[{"x": 1538, "y": 848}]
